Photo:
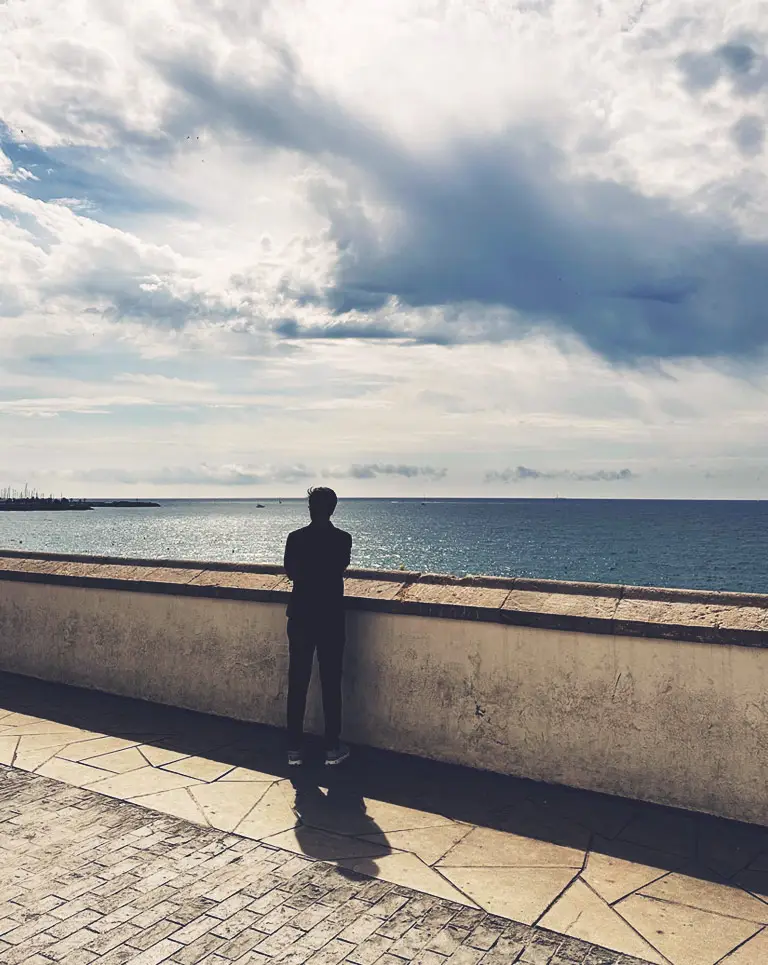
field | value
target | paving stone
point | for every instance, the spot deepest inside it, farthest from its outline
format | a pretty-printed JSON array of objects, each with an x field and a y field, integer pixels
[
  {"x": 404, "y": 868},
  {"x": 192, "y": 931},
  {"x": 313, "y": 915},
  {"x": 279, "y": 940},
  {"x": 465, "y": 956},
  {"x": 64, "y": 948},
  {"x": 686, "y": 936},
  {"x": 148, "y": 937},
  {"x": 177, "y": 802},
  {"x": 197, "y": 951},
  {"x": 448, "y": 939},
  {"x": 245, "y": 941},
  {"x": 111, "y": 939},
  {"x": 226, "y": 804},
  {"x": 615, "y": 869},
  {"x": 160, "y": 952},
  {"x": 583, "y": 914},
  {"x": 236, "y": 924},
  {"x": 228, "y": 905},
  {"x": 276, "y": 918},
  {"x": 510, "y": 850},
  {"x": 754, "y": 952},
  {"x": 519, "y": 893},
  {"x": 22, "y": 933},
  {"x": 360, "y": 929},
  {"x": 413, "y": 940},
  {"x": 370, "y": 951},
  {"x": 708, "y": 896},
  {"x": 388, "y": 905},
  {"x": 90, "y": 878},
  {"x": 507, "y": 949},
  {"x": 73, "y": 922},
  {"x": 484, "y": 935},
  {"x": 13, "y": 955}
]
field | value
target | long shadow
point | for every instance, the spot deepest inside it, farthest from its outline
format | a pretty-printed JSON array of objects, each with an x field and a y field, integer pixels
[
  {"x": 332, "y": 802},
  {"x": 670, "y": 839}
]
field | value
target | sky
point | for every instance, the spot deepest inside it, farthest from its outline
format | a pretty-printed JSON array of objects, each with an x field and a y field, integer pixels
[{"x": 487, "y": 248}]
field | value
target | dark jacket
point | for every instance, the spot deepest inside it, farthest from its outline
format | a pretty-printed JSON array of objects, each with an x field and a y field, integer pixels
[{"x": 315, "y": 559}]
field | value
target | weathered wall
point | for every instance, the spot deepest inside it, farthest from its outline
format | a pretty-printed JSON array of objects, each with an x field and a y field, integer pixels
[{"x": 607, "y": 688}]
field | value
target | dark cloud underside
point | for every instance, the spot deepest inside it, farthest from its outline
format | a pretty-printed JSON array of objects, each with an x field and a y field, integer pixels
[{"x": 497, "y": 222}]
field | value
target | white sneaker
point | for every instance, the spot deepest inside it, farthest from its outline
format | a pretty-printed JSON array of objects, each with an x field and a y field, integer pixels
[
  {"x": 337, "y": 754},
  {"x": 295, "y": 758}
]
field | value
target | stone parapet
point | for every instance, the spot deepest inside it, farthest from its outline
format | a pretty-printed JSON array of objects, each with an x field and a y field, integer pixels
[{"x": 697, "y": 616}]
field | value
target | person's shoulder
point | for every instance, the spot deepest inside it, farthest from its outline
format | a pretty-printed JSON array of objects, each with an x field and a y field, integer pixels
[
  {"x": 343, "y": 536},
  {"x": 298, "y": 533}
]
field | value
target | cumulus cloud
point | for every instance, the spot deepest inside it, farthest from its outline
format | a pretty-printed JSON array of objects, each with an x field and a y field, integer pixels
[
  {"x": 13, "y": 172},
  {"x": 741, "y": 61},
  {"x": 499, "y": 217},
  {"x": 499, "y": 220},
  {"x": 525, "y": 474},
  {"x": 59, "y": 260},
  {"x": 748, "y": 134}
]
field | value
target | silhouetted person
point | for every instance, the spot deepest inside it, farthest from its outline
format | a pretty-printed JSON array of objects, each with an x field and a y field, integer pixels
[{"x": 315, "y": 559}]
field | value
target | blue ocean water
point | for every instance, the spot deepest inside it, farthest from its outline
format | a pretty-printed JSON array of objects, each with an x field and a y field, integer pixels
[{"x": 678, "y": 543}]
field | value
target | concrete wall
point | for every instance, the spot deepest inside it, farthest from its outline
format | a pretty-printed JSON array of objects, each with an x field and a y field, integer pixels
[{"x": 654, "y": 694}]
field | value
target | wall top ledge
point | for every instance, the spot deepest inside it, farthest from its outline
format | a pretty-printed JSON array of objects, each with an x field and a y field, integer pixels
[{"x": 703, "y": 616}]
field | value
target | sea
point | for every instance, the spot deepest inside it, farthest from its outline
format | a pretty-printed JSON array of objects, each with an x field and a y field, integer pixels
[{"x": 699, "y": 544}]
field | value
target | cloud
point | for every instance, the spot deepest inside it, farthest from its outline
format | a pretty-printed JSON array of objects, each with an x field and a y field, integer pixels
[
  {"x": 13, "y": 172},
  {"x": 748, "y": 134},
  {"x": 506, "y": 216},
  {"x": 374, "y": 469},
  {"x": 59, "y": 260},
  {"x": 203, "y": 474},
  {"x": 51, "y": 407},
  {"x": 72, "y": 175},
  {"x": 740, "y": 61},
  {"x": 162, "y": 381},
  {"x": 250, "y": 475},
  {"x": 497, "y": 220},
  {"x": 291, "y": 329},
  {"x": 525, "y": 474}
]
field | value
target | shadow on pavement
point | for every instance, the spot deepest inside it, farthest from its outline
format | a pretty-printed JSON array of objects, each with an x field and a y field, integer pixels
[
  {"x": 670, "y": 839},
  {"x": 333, "y": 801}
]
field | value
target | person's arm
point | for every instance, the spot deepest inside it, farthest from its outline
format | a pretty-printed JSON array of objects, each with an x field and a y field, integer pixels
[
  {"x": 289, "y": 557},
  {"x": 347, "y": 552}
]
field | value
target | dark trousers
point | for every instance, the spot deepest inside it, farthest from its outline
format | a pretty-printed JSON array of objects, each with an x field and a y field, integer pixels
[{"x": 304, "y": 638}]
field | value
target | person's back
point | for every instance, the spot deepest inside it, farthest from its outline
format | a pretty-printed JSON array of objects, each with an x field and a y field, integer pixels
[{"x": 315, "y": 559}]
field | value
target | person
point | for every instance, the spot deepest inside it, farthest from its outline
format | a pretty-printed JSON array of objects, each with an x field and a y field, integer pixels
[{"x": 315, "y": 560}]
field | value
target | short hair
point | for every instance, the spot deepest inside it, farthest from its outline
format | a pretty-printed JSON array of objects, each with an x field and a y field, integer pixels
[{"x": 323, "y": 500}]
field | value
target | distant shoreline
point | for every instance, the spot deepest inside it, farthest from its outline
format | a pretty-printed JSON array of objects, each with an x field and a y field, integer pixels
[{"x": 22, "y": 505}]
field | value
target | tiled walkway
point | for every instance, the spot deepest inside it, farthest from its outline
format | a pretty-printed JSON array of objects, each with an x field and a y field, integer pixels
[
  {"x": 88, "y": 879},
  {"x": 658, "y": 884}
]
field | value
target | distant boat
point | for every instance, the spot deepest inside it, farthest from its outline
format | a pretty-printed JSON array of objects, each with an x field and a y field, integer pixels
[{"x": 259, "y": 505}]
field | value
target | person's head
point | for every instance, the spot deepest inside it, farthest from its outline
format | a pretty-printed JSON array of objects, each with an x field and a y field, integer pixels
[{"x": 322, "y": 503}]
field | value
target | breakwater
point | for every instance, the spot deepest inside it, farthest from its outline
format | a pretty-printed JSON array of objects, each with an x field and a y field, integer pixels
[{"x": 61, "y": 504}]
